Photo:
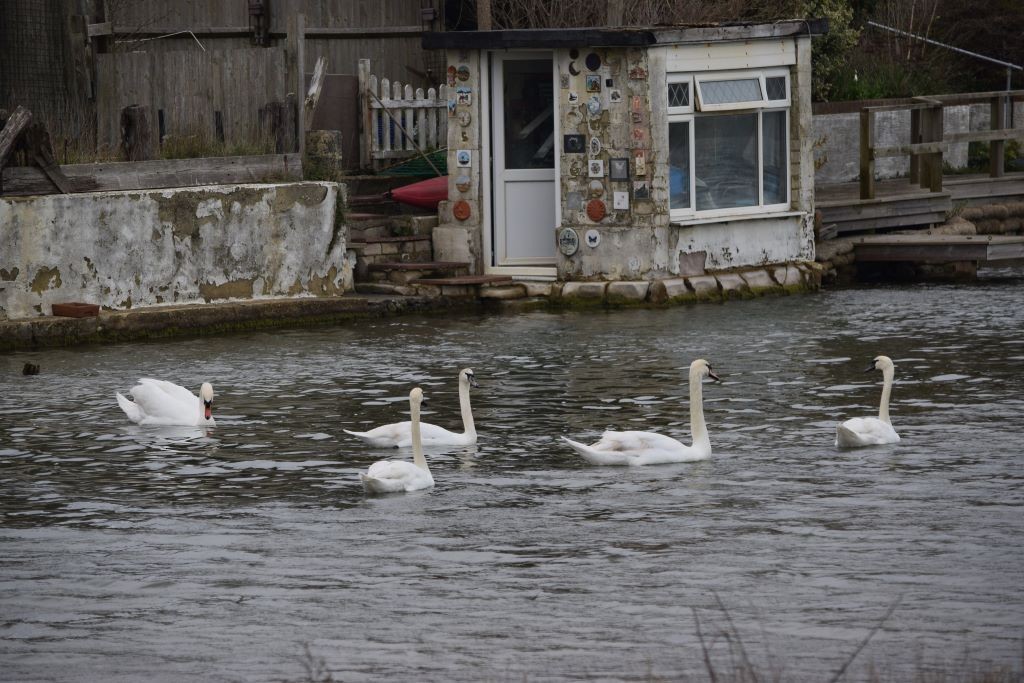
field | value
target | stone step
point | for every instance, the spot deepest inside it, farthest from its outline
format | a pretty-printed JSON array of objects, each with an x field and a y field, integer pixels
[
  {"x": 464, "y": 280},
  {"x": 390, "y": 238},
  {"x": 423, "y": 265},
  {"x": 404, "y": 272}
]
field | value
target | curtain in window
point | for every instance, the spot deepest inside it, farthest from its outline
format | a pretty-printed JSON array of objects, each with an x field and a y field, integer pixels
[{"x": 726, "y": 161}]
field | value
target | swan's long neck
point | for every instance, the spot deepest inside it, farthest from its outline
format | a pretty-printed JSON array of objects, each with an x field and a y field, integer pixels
[
  {"x": 417, "y": 440},
  {"x": 698, "y": 428},
  {"x": 467, "y": 411},
  {"x": 883, "y": 408}
]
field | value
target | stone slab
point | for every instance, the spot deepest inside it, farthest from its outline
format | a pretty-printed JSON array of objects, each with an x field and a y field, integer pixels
[
  {"x": 705, "y": 287},
  {"x": 759, "y": 281},
  {"x": 627, "y": 291},
  {"x": 537, "y": 288},
  {"x": 516, "y": 291},
  {"x": 588, "y": 291},
  {"x": 733, "y": 286}
]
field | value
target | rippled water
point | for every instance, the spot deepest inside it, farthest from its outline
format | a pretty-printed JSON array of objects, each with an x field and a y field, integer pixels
[{"x": 171, "y": 554}]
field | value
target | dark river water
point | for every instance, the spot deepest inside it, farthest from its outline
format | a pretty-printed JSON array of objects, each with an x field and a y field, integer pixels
[{"x": 250, "y": 553}]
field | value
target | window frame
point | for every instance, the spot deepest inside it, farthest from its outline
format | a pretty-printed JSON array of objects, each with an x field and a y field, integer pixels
[{"x": 697, "y": 110}]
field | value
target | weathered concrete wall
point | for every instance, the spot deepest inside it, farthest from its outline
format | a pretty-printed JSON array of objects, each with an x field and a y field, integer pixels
[
  {"x": 461, "y": 239},
  {"x": 128, "y": 249},
  {"x": 837, "y": 140}
]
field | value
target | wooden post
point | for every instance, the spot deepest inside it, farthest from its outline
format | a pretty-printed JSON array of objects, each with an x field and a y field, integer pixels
[
  {"x": 996, "y": 148},
  {"x": 935, "y": 177},
  {"x": 483, "y": 15},
  {"x": 136, "y": 134},
  {"x": 316, "y": 86},
  {"x": 915, "y": 137},
  {"x": 867, "y": 160},
  {"x": 365, "y": 117},
  {"x": 295, "y": 61}
]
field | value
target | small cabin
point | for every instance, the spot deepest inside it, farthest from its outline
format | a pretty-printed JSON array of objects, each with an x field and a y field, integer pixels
[{"x": 628, "y": 154}]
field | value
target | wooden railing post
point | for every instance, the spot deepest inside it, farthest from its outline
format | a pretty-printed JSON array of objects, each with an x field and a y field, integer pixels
[
  {"x": 296, "y": 77},
  {"x": 867, "y": 160},
  {"x": 996, "y": 148},
  {"x": 935, "y": 116}
]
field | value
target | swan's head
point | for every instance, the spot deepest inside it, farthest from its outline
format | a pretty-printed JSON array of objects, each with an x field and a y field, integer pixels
[
  {"x": 467, "y": 377},
  {"x": 882, "y": 363},
  {"x": 416, "y": 397},
  {"x": 206, "y": 396},
  {"x": 703, "y": 369}
]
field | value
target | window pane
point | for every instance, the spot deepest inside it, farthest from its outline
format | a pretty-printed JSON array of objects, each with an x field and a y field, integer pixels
[
  {"x": 679, "y": 94},
  {"x": 776, "y": 174},
  {"x": 726, "y": 161},
  {"x": 679, "y": 165},
  {"x": 776, "y": 87},
  {"x": 727, "y": 92},
  {"x": 529, "y": 123}
]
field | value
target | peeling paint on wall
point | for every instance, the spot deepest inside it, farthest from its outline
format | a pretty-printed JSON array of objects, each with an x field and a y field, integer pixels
[{"x": 131, "y": 249}]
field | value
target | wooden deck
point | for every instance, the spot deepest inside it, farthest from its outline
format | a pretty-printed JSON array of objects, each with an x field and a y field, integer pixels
[
  {"x": 899, "y": 203},
  {"x": 938, "y": 248}
]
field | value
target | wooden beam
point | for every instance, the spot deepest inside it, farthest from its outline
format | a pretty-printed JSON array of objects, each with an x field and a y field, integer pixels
[
  {"x": 16, "y": 124},
  {"x": 102, "y": 29},
  {"x": 365, "y": 116},
  {"x": 151, "y": 175}
]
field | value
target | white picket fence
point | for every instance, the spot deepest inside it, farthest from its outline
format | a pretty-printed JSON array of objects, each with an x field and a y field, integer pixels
[{"x": 389, "y": 108}]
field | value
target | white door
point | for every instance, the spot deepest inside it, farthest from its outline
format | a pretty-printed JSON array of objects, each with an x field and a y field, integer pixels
[{"x": 523, "y": 156}]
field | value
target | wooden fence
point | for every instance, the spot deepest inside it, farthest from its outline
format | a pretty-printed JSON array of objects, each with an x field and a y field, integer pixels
[
  {"x": 217, "y": 94},
  {"x": 928, "y": 141},
  {"x": 399, "y": 122}
]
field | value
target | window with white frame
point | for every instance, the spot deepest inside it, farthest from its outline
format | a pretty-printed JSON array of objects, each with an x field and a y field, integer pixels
[{"x": 728, "y": 142}]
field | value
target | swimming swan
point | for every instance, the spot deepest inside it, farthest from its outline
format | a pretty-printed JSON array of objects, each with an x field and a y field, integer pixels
[
  {"x": 648, "y": 448},
  {"x": 871, "y": 431},
  {"x": 399, "y": 434},
  {"x": 393, "y": 476},
  {"x": 164, "y": 403}
]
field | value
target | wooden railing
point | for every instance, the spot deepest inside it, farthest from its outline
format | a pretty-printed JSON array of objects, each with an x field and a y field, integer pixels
[
  {"x": 397, "y": 121},
  {"x": 928, "y": 142}
]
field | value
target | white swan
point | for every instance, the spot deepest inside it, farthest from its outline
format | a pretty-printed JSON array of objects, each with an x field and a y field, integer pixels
[
  {"x": 393, "y": 476},
  {"x": 649, "y": 448},
  {"x": 399, "y": 434},
  {"x": 871, "y": 431},
  {"x": 164, "y": 403}
]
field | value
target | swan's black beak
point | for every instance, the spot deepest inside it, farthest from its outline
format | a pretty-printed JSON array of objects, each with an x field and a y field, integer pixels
[
  {"x": 208, "y": 406},
  {"x": 472, "y": 381},
  {"x": 870, "y": 367},
  {"x": 714, "y": 376}
]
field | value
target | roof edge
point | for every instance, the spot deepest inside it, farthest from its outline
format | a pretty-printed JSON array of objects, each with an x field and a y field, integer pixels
[{"x": 640, "y": 36}]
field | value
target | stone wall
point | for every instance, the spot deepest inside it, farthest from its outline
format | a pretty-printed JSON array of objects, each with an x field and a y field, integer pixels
[{"x": 144, "y": 248}]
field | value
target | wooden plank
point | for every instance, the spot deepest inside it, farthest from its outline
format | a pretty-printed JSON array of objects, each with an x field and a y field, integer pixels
[
  {"x": 149, "y": 175},
  {"x": 16, "y": 124},
  {"x": 917, "y": 148},
  {"x": 939, "y": 248},
  {"x": 102, "y": 29},
  {"x": 907, "y": 221}
]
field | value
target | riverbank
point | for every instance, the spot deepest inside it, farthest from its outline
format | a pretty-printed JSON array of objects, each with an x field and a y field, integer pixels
[{"x": 201, "y": 319}]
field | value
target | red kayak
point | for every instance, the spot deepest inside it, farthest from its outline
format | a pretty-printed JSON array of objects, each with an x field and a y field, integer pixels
[{"x": 426, "y": 194}]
